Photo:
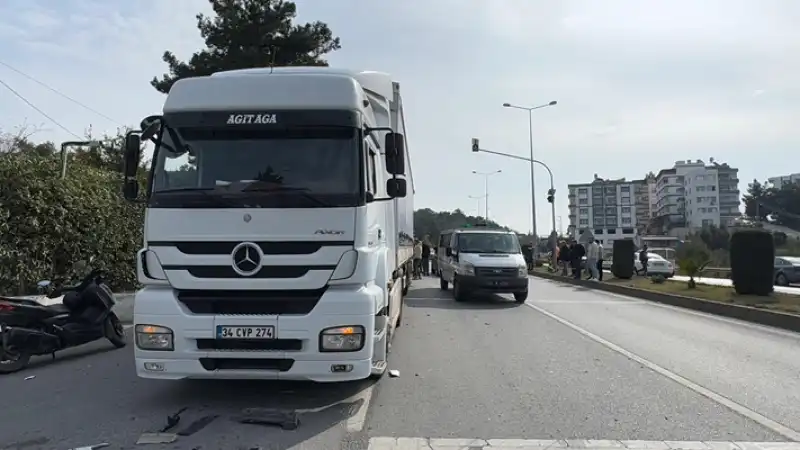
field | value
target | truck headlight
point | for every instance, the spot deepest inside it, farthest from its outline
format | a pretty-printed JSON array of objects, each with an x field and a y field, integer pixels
[
  {"x": 522, "y": 271},
  {"x": 154, "y": 338},
  {"x": 467, "y": 269},
  {"x": 342, "y": 339}
]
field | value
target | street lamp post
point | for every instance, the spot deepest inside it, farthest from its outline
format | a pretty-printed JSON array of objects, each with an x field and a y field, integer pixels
[
  {"x": 486, "y": 176},
  {"x": 530, "y": 110}
]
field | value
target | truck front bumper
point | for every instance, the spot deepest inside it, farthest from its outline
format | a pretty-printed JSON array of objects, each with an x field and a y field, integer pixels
[{"x": 294, "y": 352}]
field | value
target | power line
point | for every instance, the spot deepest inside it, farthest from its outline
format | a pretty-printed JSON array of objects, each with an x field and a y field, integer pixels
[
  {"x": 21, "y": 97},
  {"x": 57, "y": 92}
]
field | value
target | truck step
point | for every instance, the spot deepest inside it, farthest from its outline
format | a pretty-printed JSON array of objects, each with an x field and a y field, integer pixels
[
  {"x": 378, "y": 367},
  {"x": 377, "y": 336}
]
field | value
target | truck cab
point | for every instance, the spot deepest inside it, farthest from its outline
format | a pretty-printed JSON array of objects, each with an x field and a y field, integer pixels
[
  {"x": 273, "y": 242},
  {"x": 482, "y": 261}
]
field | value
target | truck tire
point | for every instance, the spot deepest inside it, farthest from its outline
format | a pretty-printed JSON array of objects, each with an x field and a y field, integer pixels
[{"x": 520, "y": 297}]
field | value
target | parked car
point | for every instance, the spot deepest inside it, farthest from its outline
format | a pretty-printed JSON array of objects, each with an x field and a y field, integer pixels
[
  {"x": 656, "y": 265},
  {"x": 787, "y": 270}
]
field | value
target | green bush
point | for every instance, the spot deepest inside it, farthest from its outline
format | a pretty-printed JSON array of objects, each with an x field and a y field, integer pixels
[
  {"x": 47, "y": 223},
  {"x": 622, "y": 265},
  {"x": 752, "y": 262}
]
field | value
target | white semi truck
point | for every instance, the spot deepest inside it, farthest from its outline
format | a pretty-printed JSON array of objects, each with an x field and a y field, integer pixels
[{"x": 278, "y": 233}]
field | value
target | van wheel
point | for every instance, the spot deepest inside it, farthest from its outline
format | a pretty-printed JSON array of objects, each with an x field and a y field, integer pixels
[
  {"x": 520, "y": 297},
  {"x": 442, "y": 283},
  {"x": 781, "y": 280},
  {"x": 458, "y": 293}
]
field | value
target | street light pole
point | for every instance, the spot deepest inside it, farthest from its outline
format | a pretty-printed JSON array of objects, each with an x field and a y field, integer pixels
[
  {"x": 486, "y": 176},
  {"x": 530, "y": 110}
]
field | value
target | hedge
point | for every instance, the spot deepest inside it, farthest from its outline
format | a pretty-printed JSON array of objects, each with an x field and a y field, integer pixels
[{"x": 47, "y": 223}]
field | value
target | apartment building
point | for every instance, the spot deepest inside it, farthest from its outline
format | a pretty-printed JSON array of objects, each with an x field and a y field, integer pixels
[
  {"x": 693, "y": 194},
  {"x": 784, "y": 180},
  {"x": 609, "y": 209}
]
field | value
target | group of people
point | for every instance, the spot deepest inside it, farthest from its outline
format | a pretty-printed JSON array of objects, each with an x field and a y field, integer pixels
[
  {"x": 570, "y": 257},
  {"x": 424, "y": 259}
]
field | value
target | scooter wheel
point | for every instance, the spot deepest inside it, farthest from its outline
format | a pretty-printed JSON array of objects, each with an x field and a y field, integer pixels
[
  {"x": 115, "y": 332},
  {"x": 15, "y": 361}
]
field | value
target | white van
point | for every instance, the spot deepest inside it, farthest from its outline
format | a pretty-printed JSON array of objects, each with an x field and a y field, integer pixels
[{"x": 480, "y": 260}]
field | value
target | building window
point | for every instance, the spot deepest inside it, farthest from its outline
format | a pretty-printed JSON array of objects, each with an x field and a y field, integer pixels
[
  {"x": 626, "y": 220},
  {"x": 625, "y": 189},
  {"x": 583, "y": 201},
  {"x": 584, "y": 222},
  {"x": 626, "y": 210},
  {"x": 584, "y": 211}
]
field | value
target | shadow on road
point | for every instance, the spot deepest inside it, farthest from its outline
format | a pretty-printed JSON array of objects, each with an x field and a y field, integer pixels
[{"x": 437, "y": 298}]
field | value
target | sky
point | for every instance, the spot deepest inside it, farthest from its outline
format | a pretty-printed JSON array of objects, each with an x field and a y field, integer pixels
[{"x": 639, "y": 84}]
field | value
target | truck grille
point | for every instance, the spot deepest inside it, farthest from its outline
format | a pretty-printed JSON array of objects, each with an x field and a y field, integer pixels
[
  {"x": 269, "y": 247},
  {"x": 496, "y": 271},
  {"x": 234, "y": 302}
]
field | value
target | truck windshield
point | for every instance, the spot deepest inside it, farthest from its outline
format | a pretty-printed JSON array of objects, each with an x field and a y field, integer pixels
[
  {"x": 488, "y": 243},
  {"x": 218, "y": 168}
]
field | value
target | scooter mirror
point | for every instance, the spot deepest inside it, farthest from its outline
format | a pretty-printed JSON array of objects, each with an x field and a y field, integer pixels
[{"x": 43, "y": 284}]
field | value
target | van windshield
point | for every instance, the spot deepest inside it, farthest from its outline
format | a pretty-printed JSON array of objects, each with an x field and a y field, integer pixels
[{"x": 488, "y": 243}]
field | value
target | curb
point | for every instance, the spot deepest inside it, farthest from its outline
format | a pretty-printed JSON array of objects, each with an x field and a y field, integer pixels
[{"x": 775, "y": 319}]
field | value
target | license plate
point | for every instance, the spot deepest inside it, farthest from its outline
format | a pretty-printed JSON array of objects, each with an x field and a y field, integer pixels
[
  {"x": 501, "y": 283},
  {"x": 254, "y": 332}
]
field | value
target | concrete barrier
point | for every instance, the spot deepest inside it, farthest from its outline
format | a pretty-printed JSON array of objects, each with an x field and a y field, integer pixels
[{"x": 775, "y": 319}]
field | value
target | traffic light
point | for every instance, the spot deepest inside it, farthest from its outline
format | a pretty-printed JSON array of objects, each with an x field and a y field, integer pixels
[
  {"x": 551, "y": 195},
  {"x": 475, "y": 145}
]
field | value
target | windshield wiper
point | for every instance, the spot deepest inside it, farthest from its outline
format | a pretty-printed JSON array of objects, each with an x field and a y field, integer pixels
[{"x": 304, "y": 192}]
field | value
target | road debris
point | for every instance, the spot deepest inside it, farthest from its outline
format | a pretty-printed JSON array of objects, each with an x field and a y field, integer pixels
[
  {"x": 30, "y": 377},
  {"x": 93, "y": 447},
  {"x": 157, "y": 438},
  {"x": 173, "y": 420},
  {"x": 394, "y": 373},
  {"x": 287, "y": 420},
  {"x": 197, "y": 425}
]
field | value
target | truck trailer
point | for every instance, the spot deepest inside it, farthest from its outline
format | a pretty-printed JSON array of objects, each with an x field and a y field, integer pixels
[{"x": 278, "y": 233}]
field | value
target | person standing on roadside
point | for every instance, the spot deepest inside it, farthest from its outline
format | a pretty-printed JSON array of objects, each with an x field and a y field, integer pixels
[
  {"x": 426, "y": 257},
  {"x": 563, "y": 258},
  {"x": 600, "y": 260},
  {"x": 576, "y": 254},
  {"x": 643, "y": 259},
  {"x": 592, "y": 250},
  {"x": 417, "y": 260}
]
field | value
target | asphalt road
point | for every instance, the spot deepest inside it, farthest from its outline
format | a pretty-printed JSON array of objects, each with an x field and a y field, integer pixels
[{"x": 570, "y": 364}]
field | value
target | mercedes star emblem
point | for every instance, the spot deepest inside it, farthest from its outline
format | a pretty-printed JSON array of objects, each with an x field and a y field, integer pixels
[
  {"x": 247, "y": 259},
  {"x": 247, "y": 218}
]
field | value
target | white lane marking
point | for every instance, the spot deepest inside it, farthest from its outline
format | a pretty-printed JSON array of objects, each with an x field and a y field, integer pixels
[
  {"x": 592, "y": 302},
  {"x": 356, "y": 422},
  {"x": 428, "y": 298},
  {"x": 779, "y": 428},
  {"x": 730, "y": 320},
  {"x": 422, "y": 443}
]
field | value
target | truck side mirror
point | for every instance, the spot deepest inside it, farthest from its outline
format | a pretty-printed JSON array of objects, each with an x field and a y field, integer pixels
[
  {"x": 130, "y": 189},
  {"x": 397, "y": 187},
  {"x": 395, "y": 154},
  {"x": 133, "y": 153}
]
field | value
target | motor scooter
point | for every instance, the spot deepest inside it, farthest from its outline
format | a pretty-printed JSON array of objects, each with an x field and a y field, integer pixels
[{"x": 29, "y": 328}]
